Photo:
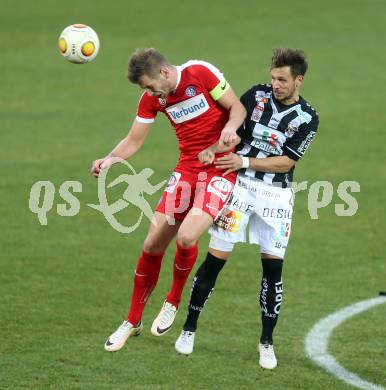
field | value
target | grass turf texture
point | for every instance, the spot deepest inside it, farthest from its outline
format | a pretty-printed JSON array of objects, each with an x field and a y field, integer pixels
[{"x": 66, "y": 286}]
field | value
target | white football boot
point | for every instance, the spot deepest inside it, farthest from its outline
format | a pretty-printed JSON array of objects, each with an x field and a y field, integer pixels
[
  {"x": 118, "y": 339},
  {"x": 164, "y": 320},
  {"x": 267, "y": 356},
  {"x": 185, "y": 342}
]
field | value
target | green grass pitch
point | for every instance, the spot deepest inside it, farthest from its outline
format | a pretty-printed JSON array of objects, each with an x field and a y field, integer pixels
[{"x": 66, "y": 286}]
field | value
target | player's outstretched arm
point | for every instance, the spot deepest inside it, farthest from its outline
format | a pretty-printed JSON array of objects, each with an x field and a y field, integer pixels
[
  {"x": 277, "y": 164},
  {"x": 237, "y": 114},
  {"x": 233, "y": 162},
  {"x": 125, "y": 149}
]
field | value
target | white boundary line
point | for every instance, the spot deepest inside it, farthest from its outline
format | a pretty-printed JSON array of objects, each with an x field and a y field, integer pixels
[{"x": 316, "y": 343}]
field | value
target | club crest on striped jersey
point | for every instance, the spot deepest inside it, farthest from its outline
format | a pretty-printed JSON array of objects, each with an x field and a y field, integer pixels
[
  {"x": 291, "y": 130},
  {"x": 188, "y": 109}
]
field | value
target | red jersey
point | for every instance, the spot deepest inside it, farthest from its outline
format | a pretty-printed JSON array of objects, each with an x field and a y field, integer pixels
[{"x": 191, "y": 109}]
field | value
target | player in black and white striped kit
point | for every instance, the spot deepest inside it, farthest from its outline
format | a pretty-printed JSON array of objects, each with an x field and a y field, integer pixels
[{"x": 277, "y": 131}]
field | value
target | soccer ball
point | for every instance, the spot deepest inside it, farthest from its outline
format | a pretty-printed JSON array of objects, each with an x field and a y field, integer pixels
[{"x": 78, "y": 43}]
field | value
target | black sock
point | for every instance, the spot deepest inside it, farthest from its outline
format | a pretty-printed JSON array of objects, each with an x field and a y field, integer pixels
[
  {"x": 202, "y": 288},
  {"x": 271, "y": 295}
]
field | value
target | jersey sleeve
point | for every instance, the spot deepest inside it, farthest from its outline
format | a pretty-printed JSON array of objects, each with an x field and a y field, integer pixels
[
  {"x": 146, "y": 111},
  {"x": 296, "y": 146},
  {"x": 213, "y": 80}
]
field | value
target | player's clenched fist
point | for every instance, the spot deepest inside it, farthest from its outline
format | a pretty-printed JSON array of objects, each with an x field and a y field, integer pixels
[
  {"x": 206, "y": 156},
  {"x": 228, "y": 136},
  {"x": 96, "y": 167},
  {"x": 100, "y": 164}
]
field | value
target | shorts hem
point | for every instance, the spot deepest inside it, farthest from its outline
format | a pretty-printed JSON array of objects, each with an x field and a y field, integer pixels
[{"x": 272, "y": 253}]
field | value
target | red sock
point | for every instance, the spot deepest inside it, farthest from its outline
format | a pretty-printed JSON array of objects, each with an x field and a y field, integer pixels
[
  {"x": 183, "y": 264},
  {"x": 145, "y": 279}
]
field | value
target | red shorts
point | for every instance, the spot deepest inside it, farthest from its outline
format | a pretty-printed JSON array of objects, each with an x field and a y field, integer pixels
[{"x": 206, "y": 190}]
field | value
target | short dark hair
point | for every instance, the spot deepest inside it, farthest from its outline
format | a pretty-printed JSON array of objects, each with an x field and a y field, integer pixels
[
  {"x": 145, "y": 62},
  {"x": 294, "y": 58}
]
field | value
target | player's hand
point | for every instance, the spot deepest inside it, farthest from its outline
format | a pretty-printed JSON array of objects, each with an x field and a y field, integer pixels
[
  {"x": 231, "y": 162},
  {"x": 100, "y": 164},
  {"x": 206, "y": 156},
  {"x": 227, "y": 137}
]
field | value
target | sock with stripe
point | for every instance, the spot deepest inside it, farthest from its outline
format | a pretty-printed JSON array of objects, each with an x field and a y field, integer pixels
[
  {"x": 145, "y": 279},
  {"x": 183, "y": 263}
]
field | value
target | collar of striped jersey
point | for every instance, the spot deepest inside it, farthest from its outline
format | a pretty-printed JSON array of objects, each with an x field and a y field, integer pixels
[
  {"x": 283, "y": 107},
  {"x": 178, "y": 68}
]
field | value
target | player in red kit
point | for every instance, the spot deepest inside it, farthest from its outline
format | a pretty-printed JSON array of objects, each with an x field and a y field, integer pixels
[{"x": 203, "y": 109}]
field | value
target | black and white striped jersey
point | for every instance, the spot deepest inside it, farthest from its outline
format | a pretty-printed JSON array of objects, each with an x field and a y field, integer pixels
[{"x": 274, "y": 129}]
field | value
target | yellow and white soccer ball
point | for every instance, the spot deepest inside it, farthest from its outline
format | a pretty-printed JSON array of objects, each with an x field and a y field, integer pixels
[{"x": 78, "y": 43}]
